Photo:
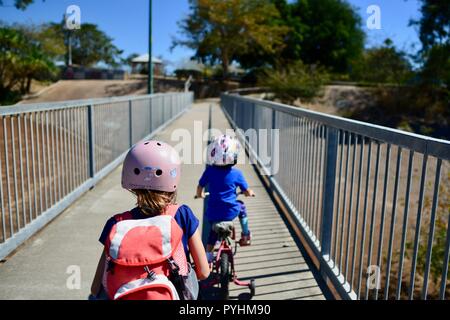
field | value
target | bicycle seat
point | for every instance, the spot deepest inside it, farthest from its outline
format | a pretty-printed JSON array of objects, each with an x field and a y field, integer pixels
[{"x": 223, "y": 228}]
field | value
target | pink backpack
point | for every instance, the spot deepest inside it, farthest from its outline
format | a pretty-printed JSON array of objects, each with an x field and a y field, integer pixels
[{"x": 145, "y": 258}]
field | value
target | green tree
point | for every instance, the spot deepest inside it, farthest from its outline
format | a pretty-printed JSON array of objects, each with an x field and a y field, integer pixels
[
  {"x": 294, "y": 81},
  {"x": 434, "y": 34},
  {"x": 222, "y": 30},
  {"x": 434, "y": 24},
  {"x": 384, "y": 64},
  {"x": 90, "y": 45},
  {"x": 325, "y": 31},
  {"x": 22, "y": 59},
  {"x": 20, "y": 4}
]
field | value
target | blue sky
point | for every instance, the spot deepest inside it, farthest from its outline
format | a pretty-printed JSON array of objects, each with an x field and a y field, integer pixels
[{"x": 127, "y": 21}]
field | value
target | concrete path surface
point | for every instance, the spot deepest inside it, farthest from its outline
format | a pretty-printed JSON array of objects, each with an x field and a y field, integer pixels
[{"x": 44, "y": 267}]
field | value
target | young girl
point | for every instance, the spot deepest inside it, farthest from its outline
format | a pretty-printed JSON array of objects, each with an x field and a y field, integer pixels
[
  {"x": 151, "y": 171},
  {"x": 223, "y": 180}
]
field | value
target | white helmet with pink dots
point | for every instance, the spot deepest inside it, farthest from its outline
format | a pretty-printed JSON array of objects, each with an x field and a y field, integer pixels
[
  {"x": 151, "y": 165},
  {"x": 223, "y": 151}
]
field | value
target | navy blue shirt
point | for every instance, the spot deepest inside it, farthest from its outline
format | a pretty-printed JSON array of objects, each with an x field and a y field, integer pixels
[
  {"x": 184, "y": 216},
  {"x": 222, "y": 184}
]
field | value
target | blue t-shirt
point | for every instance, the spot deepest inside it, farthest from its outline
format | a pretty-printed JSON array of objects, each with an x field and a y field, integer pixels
[
  {"x": 222, "y": 184},
  {"x": 184, "y": 216}
]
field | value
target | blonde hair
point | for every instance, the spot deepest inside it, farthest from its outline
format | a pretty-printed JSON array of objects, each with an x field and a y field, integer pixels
[{"x": 153, "y": 202}]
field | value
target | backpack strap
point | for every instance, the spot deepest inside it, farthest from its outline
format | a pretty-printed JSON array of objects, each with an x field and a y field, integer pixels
[{"x": 123, "y": 216}]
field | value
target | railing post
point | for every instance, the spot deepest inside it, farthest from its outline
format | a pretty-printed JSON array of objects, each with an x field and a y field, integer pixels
[
  {"x": 130, "y": 121},
  {"x": 328, "y": 191},
  {"x": 91, "y": 141},
  {"x": 150, "y": 114},
  {"x": 274, "y": 146}
]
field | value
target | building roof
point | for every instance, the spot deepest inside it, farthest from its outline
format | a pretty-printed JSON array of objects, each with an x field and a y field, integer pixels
[{"x": 143, "y": 58}]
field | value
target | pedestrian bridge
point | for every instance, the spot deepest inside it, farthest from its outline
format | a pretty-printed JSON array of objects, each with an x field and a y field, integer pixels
[{"x": 344, "y": 209}]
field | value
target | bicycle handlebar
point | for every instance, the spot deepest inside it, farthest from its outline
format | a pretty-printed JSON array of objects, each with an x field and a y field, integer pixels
[{"x": 207, "y": 194}]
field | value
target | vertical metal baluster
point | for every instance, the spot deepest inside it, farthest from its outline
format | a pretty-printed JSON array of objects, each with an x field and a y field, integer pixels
[
  {"x": 374, "y": 206},
  {"x": 418, "y": 223},
  {"x": 60, "y": 154},
  {"x": 313, "y": 181},
  {"x": 98, "y": 133},
  {"x": 77, "y": 146},
  {"x": 55, "y": 182},
  {"x": 33, "y": 162},
  {"x": 19, "y": 127},
  {"x": 1, "y": 195},
  {"x": 392, "y": 227},
  {"x": 445, "y": 262},
  {"x": 383, "y": 210},
  {"x": 83, "y": 143},
  {"x": 14, "y": 167},
  {"x": 8, "y": 186},
  {"x": 303, "y": 169},
  {"x": 70, "y": 149},
  {"x": 48, "y": 159},
  {"x": 28, "y": 166},
  {"x": 319, "y": 180},
  {"x": 432, "y": 227},
  {"x": 298, "y": 165},
  {"x": 44, "y": 159},
  {"x": 65, "y": 155},
  {"x": 341, "y": 141},
  {"x": 350, "y": 207},
  {"x": 361, "y": 161},
  {"x": 405, "y": 225},
  {"x": 305, "y": 173},
  {"x": 309, "y": 175},
  {"x": 344, "y": 203},
  {"x": 363, "y": 232}
]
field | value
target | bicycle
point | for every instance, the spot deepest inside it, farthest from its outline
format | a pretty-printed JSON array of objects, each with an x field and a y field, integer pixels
[{"x": 222, "y": 264}]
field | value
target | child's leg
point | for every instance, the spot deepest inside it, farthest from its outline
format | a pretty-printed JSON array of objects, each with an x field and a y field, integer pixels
[
  {"x": 212, "y": 239},
  {"x": 243, "y": 219}
]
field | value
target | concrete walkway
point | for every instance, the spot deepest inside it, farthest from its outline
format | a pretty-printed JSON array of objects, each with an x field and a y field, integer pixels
[{"x": 44, "y": 267}]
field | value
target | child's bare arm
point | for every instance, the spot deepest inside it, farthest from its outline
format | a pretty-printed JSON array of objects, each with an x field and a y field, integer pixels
[
  {"x": 199, "y": 256},
  {"x": 97, "y": 282},
  {"x": 199, "y": 193}
]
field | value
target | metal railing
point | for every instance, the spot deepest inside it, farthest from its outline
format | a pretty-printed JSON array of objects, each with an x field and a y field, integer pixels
[
  {"x": 372, "y": 202},
  {"x": 51, "y": 153}
]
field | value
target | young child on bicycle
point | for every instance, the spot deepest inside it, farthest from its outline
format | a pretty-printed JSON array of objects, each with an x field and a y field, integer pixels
[
  {"x": 151, "y": 171},
  {"x": 223, "y": 179}
]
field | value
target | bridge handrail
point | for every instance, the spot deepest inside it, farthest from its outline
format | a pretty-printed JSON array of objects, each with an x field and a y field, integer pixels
[
  {"x": 342, "y": 198},
  {"x": 420, "y": 143},
  {"x": 51, "y": 153},
  {"x": 56, "y": 105}
]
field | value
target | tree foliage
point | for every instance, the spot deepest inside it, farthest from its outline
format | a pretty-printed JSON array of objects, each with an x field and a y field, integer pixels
[
  {"x": 294, "y": 81},
  {"x": 434, "y": 34},
  {"x": 384, "y": 64},
  {"x": 221, "y": 30},
  {"x": 20, "y": 4},
  {"x": 90, "y": 45},
  {"x": 22, "y": 58},
  {"x": 434, "y": 24},
  {"x": 327, "y": 32}
]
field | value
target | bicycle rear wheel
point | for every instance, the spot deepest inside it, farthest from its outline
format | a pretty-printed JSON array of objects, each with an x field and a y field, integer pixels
[{"x": 225, "y": 275}]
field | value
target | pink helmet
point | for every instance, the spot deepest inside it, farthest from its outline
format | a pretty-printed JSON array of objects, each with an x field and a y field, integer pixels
[
  {"x": 224, "y": 150},
  {"x": 151, "y": 165}
]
